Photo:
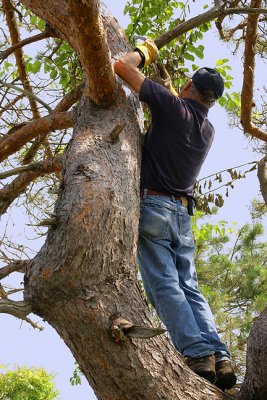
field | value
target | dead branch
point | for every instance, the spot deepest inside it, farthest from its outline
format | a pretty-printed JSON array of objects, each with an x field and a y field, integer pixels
[
  {"x": 248, "y": 79},
  {"x": 27, "y": 93},
  {"x": 14, "y": 266},
  {"x": 39, "y": 127},
  {"x": 18, "y": 186},
  {"x": 48, "y": 32},
  {"x": 15, "y": 39},
  {"x": 19, "y": 309},
  {"x": 93, "y": 50},
  {"x": 11, "y": 104}
]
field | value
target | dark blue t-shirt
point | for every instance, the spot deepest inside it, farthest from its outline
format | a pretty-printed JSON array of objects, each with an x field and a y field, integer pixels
[{"x": 177, "y": 142}]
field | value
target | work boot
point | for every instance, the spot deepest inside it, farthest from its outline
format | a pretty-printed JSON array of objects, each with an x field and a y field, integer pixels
[
  {"x": 203, "y": 366},
  {"x": 225, "y": 375}
]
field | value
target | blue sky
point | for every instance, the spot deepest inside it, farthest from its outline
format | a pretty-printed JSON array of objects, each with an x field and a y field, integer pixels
[{"x": 25, "y": 346}]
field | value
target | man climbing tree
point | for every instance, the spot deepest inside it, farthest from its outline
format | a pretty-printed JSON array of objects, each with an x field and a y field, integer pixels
[{"x": 175, "y": 148}]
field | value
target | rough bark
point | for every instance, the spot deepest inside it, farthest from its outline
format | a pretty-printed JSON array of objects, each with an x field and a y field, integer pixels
[
  {"x": 262, "y": 176},
  {"x": 255, "y": 383}
]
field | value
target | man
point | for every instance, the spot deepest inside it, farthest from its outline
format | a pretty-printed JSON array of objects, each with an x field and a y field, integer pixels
[{"x": 175, "y": 148}]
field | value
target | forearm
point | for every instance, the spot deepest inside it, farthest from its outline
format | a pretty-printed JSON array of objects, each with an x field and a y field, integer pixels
[{"x": 127, "y": 69}]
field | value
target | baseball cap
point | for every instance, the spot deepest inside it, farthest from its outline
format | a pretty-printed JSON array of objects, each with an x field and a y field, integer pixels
[{"x": 208, "y": 79}]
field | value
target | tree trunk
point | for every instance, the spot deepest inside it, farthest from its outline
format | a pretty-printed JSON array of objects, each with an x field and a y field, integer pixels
[{"x": 255, "y": 383}]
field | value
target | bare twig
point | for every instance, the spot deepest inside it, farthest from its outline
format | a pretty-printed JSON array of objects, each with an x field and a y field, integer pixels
[{"x": 26, "y": 93}]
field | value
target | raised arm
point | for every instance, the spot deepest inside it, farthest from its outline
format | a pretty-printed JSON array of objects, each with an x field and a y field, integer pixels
[
  {"x": 128, "y": 66},
  {"x": 127, "y": 69}
]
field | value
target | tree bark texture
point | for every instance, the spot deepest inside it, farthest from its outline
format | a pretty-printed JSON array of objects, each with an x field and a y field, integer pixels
[
  {"x": 255, "y": 383},
  {"x": 85, "y": 275}
]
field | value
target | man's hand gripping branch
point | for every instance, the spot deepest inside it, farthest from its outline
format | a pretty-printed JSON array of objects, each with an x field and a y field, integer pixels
[{"x": 128, "y": 67}]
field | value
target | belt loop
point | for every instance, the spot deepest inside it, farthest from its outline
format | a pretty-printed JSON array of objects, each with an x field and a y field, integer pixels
[
  {"x": 145, "y": 193},
  {"x": 173, "y": 198}
]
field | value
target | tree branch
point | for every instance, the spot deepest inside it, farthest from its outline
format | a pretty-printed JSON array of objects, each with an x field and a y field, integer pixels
[
  {"x": 48, "y": 32},
  {"x": 11, "y": 104},
  {"x": 39, "y": 127},
  {"x": 93, "y": 49},
  {"x": 19, "y": 309},
  {"x": 71, "y": 98},
  {"x": 207, "y": 16},
  {"x": 14, "y": 266},
  {"x": 26, "y": 93},
  {"x": 248, "y": 79},
  {"x": 14, "y": 189},
  {"x": 15, "y": 39}
]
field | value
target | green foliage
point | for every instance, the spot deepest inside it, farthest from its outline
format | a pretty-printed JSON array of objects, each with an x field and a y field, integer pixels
[
  {"x": 232, "y": 276},
  {"x": 76, "y": 376},
  {"x": 27, "y": 384},
  {"x": 154, "y": 18}
]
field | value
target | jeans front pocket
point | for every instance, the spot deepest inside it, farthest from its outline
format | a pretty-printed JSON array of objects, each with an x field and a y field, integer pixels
[{"x": 154, "y": 220}]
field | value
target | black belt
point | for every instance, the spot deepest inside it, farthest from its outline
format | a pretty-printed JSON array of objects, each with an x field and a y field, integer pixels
[{"x": 182, "y": 199}]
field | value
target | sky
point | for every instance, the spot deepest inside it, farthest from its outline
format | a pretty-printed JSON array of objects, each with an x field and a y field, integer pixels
[{"x": 25, "y": 346}]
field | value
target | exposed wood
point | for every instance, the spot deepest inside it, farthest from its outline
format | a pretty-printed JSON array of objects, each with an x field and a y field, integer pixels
[
  {"x": 93, "y": 50},
  {"x": 18, "y": 186},
  {"x": 39, "y": 127}
]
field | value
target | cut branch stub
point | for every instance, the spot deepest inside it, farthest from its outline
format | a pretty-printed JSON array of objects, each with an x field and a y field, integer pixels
[{"x": 122, "y": 328}]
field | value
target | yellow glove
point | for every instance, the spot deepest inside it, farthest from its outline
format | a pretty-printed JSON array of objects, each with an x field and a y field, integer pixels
[
  {"x": 148, "y": 51},
  {"x": 164, "y": 79}
]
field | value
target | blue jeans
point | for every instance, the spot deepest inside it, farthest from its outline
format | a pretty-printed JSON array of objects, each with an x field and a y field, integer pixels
[{"x": 165, "y": 257}]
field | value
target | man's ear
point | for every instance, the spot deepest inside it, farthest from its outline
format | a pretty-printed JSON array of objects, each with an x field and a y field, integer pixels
[
  {"x": 185, "y": 89},
  {"x": 188, "y": 85}
]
